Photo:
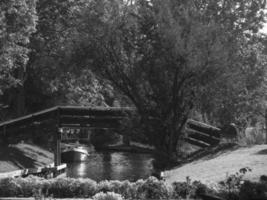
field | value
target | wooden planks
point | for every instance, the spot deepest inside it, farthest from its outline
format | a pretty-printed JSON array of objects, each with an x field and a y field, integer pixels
[
  {"x": 94, "y": 111},
  {"x": 196, "y": 142},
  {"x": 83, "y": 120},
  {"x": 28, "y": 119},
  {"x": 201, "y": 134},
  {"x": 203, "y": 128},
  {"x": 205, "y": 139}
]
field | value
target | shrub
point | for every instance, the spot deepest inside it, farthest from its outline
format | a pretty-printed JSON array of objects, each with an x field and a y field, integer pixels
[
  {"x": 107, "y": 196},
  {"x": 70, "y": 187},
  {"x": 180, "y": 190},
  {"x": 9, "y": 187},
  {"x": 251, "y": 190},
  {"x": 190, "y": 190},
  {"x": 104, "y": 186},
  {"x": 28, "y": 186},
  {"x": 153, "y": 188},
  {"x": 61, "y": 187},
  {"x": 230, "y": 187},
  {"x": 88, "y": 187},
  {"x": 127, "y": 190}
]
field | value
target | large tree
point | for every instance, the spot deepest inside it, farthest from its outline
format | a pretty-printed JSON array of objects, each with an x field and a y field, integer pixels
[{"x": 163, "y": 54}]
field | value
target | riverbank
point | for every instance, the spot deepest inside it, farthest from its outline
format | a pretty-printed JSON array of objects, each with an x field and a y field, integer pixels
[
  {"x": 20, "y": 156},
  {"x": 215, "y": 166}
]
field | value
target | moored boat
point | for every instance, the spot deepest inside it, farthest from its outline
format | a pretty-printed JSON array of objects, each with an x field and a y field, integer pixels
[{"x": 74, "y": 154}]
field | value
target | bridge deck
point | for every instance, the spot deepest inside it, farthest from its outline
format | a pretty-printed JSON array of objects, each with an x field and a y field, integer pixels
[{"x": 79, "y": 115}]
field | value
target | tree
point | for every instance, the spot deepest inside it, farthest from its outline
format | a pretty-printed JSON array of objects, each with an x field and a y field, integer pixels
[
  {"x": 239, "y": 96},
  {"x": 18, "y": 22},
  {"x": 162, "y": 55},
  {"x": 57, "y": 56}
]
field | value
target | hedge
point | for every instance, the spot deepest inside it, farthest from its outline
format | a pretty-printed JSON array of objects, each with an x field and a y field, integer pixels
[{"x": 150, "y": 188}]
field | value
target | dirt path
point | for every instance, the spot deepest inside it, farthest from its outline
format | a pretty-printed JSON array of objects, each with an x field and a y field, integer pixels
[{"x": 214, "y": 168}]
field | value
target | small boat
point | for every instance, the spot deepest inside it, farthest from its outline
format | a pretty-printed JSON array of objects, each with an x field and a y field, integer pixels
[{"x": 74, "y": 154}]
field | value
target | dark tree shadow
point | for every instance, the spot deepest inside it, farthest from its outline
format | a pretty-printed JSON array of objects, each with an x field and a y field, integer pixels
[
  {"x": 208, "y": 153},
  {"x": 17, "y": 157},
  {"x": 214, "y": 152},
  {"x": 262, "y": 152}
]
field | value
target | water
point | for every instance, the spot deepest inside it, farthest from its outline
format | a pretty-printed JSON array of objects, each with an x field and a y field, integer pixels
[{"x": 113, "y": 166}]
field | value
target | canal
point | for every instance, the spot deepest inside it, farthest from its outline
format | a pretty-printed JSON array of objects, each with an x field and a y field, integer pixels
[{"x": 114, "y": 166}]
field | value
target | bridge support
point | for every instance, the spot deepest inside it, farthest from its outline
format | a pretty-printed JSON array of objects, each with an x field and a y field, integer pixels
[
  {"x": 126, "y": 139},
  {"x": 57, "y": 148}
]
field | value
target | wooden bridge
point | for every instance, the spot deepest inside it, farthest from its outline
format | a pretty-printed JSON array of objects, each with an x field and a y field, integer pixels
[
  {"x": 77, "y": 117},
  {"x": 201, "y": 134},
  {"x": 66, "y": 116}
]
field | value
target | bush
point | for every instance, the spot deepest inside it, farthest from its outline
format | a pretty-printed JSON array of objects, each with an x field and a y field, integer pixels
[
  {"x": 107, "y": 196},
  {"x": 153, "y": 188},
  {"x": 28, "y": 186},
  {"x": 251, "y": 190},
  {"x": 70, "y": 187},
  {"x": 232, "y": 188},
  {"x": 182, "y": 190},
  {"x": 9, "y": 187}
]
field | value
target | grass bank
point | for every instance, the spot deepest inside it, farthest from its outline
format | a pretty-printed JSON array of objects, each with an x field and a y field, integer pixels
[
  {"x": 20, "y": 156},
  {"x": 214, "y": 165}
]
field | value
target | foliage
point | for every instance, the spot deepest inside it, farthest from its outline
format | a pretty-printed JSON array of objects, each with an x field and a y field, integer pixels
[
  {"x": 233, "y": 183},
  {"x": 107, "y": 196},
  {"x": 9, "y": 187},
  {"x": 166, "y": 55},
  {"x": 239, "y": 96},
  {"x": 18, "y": 22},
  {"x": 69, "y": 187},
  {"x": 253, "y": 190},
  {"x": 153, "y": 188},
  {"x": 232, "y": 188},
  {"x": 190, "y": 190}
]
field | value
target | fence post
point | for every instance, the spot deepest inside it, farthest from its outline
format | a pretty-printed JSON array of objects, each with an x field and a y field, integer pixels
[
  {"x": 57, "y": 141},
  {"x": 266, "y": 126}
]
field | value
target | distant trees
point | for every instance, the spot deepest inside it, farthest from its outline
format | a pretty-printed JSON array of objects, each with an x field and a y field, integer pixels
[{"x": 239, "y": 95}]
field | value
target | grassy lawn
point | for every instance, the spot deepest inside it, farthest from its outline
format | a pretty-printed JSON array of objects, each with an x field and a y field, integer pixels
[{"x": 215, "y": 167}]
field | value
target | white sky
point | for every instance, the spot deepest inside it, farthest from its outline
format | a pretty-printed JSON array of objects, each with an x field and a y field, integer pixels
[{"x": 264, "y": 30}]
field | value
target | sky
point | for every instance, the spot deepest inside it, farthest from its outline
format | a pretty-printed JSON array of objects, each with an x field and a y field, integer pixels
[{"x": 264, "y": 29}]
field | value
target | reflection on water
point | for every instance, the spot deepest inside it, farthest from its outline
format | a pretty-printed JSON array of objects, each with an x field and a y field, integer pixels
[
  {"x": 81, "y": 169},
  {"x": 113, "y": 166}
]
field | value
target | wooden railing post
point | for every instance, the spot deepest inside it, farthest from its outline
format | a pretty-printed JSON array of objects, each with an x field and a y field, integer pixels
[
  {"x": 57, "y": 151},
  {"x": 57, "y": 141},
  {"x": 266, "y": 126},
  {"x": 4, "y": 137}
]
